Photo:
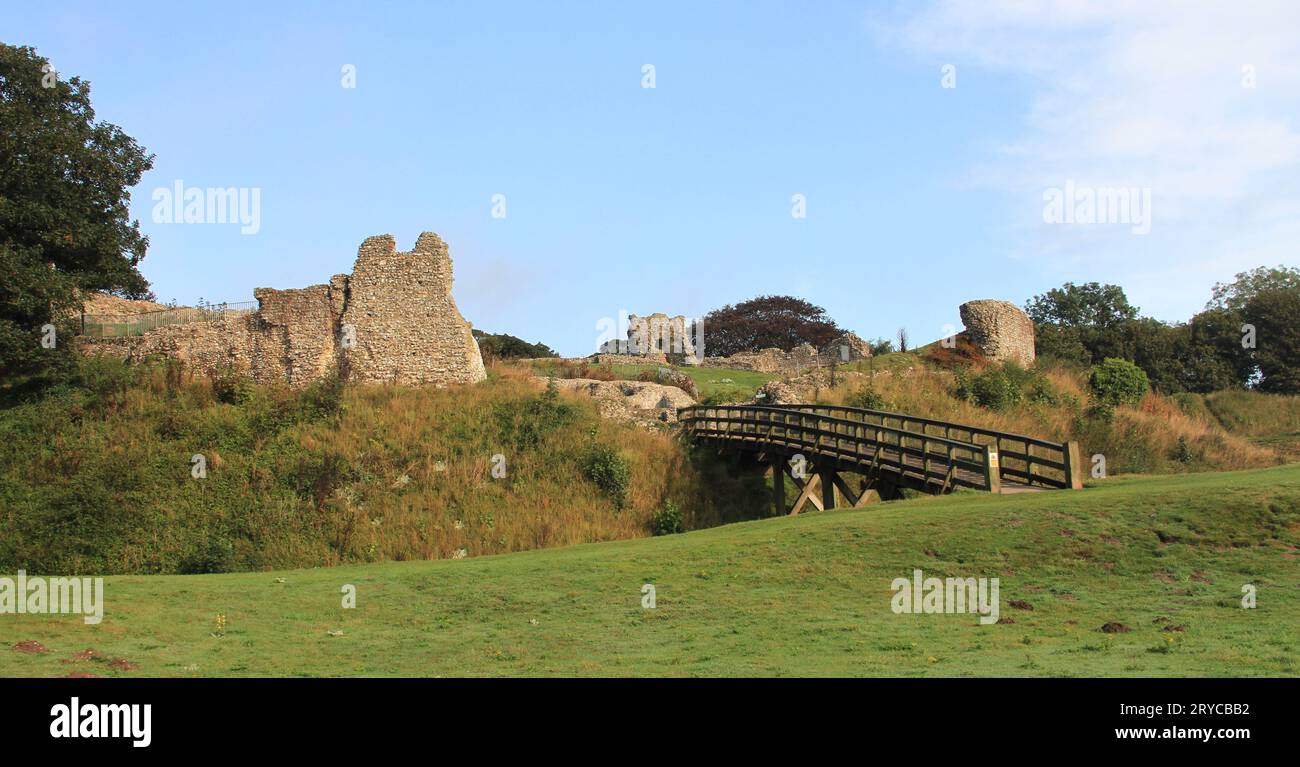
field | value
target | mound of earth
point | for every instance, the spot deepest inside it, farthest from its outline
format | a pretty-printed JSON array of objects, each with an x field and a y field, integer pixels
[
  {"x": 103, "y": 303},
  {"x": 629, "y": 400},
  {"x": 804, "y": 387}
]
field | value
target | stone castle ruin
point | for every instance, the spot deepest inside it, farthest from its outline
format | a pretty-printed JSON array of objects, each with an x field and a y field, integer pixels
[
  {"x": 659, "y": 337},
  {"x": 847, "y": 348},
  {"x": 999, "y": 330},
  {"x": 392, "y": 320}
]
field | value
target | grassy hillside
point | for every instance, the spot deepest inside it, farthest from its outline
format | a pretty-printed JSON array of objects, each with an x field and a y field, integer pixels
[
  {"x": 1163, "y": 557},
  {"x": 1271, "y": 421},
  {"x": 1161, "y": 435},
  {"x": 98, "y": 478},
  {"x": 712, "y": 384}
]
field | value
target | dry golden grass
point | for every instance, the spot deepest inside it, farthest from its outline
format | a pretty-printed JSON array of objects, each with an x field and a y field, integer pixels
[
  {"x": 380, "y": 473},
  {"x": 427, "y": 489},
  {"x": 1156, "y": 436}
]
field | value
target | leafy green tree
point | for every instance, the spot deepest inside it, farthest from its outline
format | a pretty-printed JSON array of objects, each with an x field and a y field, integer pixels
[
  {"x": 1090, "y": 316},
  {"x": 1275, "y": 313},
  {"x": 507, "y": 347},
  {"x": 1160, "y": 349},
  {"x": 1214, "y": 358},
  {"x": 1234, "y": 296},
  {"x": 1118, "y": 382},
  {"x": 1265, "y": 298},
  {"x": 881, "y": 346},
  {"x": 64, "y": 217},
  {"x": 1091, "y": 305},
  {"x": 1065, "y": 344},
  {"x": 783, "y": 322}
]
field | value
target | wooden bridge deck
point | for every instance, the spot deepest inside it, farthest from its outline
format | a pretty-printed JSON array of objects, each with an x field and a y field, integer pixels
[{"x": 888, "y": 450}]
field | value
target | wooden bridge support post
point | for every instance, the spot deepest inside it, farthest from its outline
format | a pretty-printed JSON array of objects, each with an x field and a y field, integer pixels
[
  {"x": 1073, "y": 465},
  {"x": 778, "y": 486},
  {"x": 992, "y": 469},
  {"x": 828, "y": 488}
]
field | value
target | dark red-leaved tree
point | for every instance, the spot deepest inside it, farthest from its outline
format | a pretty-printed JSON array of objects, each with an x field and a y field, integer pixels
[{"x": 767, "y": 321}]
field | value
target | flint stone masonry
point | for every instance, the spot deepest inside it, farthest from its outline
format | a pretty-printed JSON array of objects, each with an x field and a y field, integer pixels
[
  {"x": 657, "y": 335},
  {"x": 1000, "y": 330},
  {"x": 393, "y": 320},
  {"x": 628, "y": 359},
  {"x": 635, "y": 401},
  {"x": 408, "y": 328},
  {"x": 847, "y": 348}
]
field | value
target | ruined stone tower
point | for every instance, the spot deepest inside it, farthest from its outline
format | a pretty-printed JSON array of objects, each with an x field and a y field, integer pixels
[
  {"x": 658, "y": 336},
  {"x": 999, "y": 330},
  {"x": 406, "y": 325}
]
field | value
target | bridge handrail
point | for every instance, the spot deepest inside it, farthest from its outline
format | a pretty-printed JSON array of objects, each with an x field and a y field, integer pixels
[
  {"x": 1062, "y": 457},
  {"x": 1059, "y": 468},
  {"x": 931, "y": 422},
  {"x": 973, "y": 446},
  {"x": 978, "y": 458}
]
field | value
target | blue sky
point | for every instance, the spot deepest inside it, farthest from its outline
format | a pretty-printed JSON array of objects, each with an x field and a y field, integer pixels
[{"x": 678, "y": 198}]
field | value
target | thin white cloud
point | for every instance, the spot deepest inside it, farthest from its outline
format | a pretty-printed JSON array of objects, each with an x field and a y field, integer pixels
[{"x": 1143, "y": 94}]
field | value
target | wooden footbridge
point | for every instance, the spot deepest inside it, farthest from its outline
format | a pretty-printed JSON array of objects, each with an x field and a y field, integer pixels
[{"x": 816, "y": 445}]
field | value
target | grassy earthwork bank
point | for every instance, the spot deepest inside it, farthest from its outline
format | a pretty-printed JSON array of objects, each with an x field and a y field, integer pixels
[
  {"x": 101, "y": 477},
  {"x": 1160, "y": 561}
]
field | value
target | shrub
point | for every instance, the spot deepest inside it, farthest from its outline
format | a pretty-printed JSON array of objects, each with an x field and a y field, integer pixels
[
  {"x": 1042, "y": 392},
  {"x": 668, "y": 520},
  {"x": 324, "y": 398},
  {"x": 524, "y": 424},
  {"x": 867, "y": 398},
  {"x": 1004, "y": 386},
  {"x": 107, "y": 379},
  {"x": 609, "y": 472},
  {"x": 216, "y": 554},
  {"x": 231, "y": 388},
  {"x": 994, "y": 390},
  {"x": 1118, "y": 382}
]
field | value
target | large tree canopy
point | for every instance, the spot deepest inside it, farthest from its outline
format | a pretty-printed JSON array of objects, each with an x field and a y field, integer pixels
[
  {"x": 65, "y": 227},
  {"x": 783, "y": 322},
  {"x": 1233, "y": 296},
  {"x": 1091, "y": 305},
  {"x": 1084, "y": 323}
]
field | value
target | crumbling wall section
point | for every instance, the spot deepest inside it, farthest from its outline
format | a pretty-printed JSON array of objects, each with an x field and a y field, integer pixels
[
  {"x": 657, "y": 335},
  {"x": 295, "y": 335},
  {"x": 392, "y": 320},
  {"x": 400, "y": 311},
  {"x": 999, "y": 330}
]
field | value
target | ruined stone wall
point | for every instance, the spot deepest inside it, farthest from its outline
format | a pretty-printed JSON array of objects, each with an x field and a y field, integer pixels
[
  {"x": 222, "y": 343},
  {"x": 999, "y": 330},
  {"x": 656, "y": 335},
  {"x": 392, "y": 320},
  {"x": 294, "y": 337},
  {"x": 406, "y": 324},
  {"x": 845, "y": 349},
  {"x": 628, "y": 359}
]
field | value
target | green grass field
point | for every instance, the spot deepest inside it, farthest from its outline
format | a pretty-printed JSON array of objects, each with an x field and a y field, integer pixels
[
  {"x": 714, "y": 384},
  {"x": 1165, "y": 557}
]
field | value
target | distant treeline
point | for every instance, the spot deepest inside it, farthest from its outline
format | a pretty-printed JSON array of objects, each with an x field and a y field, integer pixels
[
  {"x": 1248, "y": 335},
  {"x": 507, "y": 347}
]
